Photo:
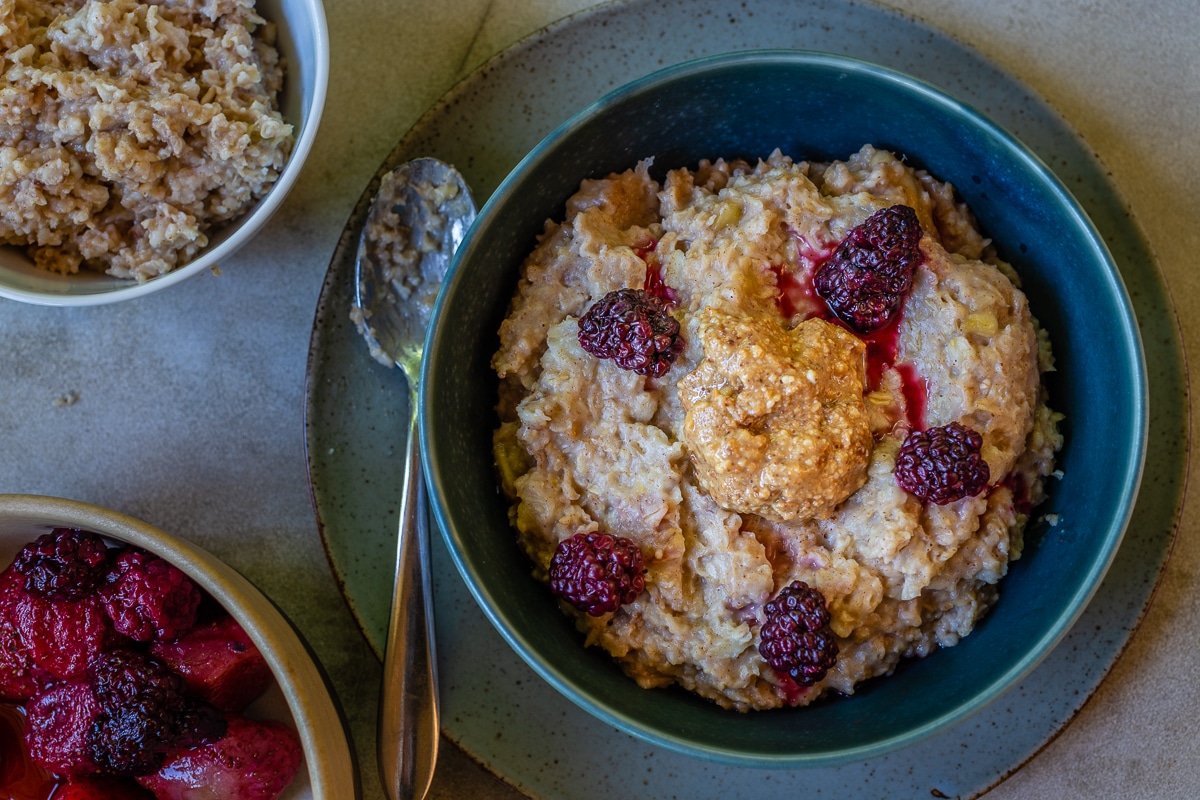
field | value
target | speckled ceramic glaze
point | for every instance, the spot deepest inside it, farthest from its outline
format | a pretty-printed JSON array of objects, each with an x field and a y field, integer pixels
[
  {"x": 486, "y": 689},
  {"x": 300, "y": 698},
  {"x": 303, "y": 42}
]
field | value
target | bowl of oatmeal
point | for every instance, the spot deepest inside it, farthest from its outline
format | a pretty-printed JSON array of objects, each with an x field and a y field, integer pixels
[
  {"x": 761, "y": 409},
  {"x": 143, "y": 143},
  {"x": 82, "y": 586}
]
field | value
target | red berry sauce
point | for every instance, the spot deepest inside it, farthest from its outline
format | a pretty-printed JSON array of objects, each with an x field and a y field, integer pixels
[
  {"x": 797, "y": 296},
  {"x": 881, "y": 350},
  {"x": 882, "y": 346},
  {"x": 1015, "y": 482},
  {"x": 654, "y": 285},
  {"x": 791, "y": 691},
  {"x": 20, "y": 777},
  {"x": 809, "y": 254}
]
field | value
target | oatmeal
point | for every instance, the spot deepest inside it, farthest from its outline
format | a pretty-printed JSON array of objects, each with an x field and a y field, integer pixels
[
  {"x": 129, "y": 131},
  {"x": 759, "y": 461}
]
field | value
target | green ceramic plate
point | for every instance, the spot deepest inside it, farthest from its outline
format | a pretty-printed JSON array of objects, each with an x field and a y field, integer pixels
[{"x": 355, "y": 414}]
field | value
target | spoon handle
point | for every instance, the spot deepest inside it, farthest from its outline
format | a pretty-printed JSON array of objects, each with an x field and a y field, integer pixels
[{"x": 408, "y": 703}]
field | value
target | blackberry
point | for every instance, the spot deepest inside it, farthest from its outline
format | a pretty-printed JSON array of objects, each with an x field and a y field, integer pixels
[
  {"x": 65, "y": 564},
  {"x": 137, "y": 739},
  {"x": 942, "y": 464},
  {"x": 149, "y": 598},
  {"x": 634, "y": 329},
  {"x": 597, "y": 572},
  {"x": 796, "y": 639},
  {"x": 865, "y": 281},
  {"x": 198, "y": 724},
  {"x": 131, "y": 740},
  {"x": 119, "y": 677},
  {"x": 145, "y": 714}
]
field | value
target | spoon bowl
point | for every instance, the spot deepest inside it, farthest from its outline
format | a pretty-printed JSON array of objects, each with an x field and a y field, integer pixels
[{"x": 417, "y": 220}]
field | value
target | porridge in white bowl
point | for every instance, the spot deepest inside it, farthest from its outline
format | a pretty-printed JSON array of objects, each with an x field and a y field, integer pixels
[{"x": 130, "y": 131}]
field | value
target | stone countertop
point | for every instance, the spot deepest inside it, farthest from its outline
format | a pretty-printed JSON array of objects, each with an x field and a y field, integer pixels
[{"x": 183, "y": 408}]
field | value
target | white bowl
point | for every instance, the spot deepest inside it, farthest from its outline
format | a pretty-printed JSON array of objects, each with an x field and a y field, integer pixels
[
  {"x": 303, "y": 41},
  {"x": 301, "y": 697}
]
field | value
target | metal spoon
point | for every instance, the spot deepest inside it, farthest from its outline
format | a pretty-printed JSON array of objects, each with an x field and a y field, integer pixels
[{"x": 416, "y": 222}]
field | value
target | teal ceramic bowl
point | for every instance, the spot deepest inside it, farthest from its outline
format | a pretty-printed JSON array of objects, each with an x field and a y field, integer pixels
[{"x": 812, "y": 106}]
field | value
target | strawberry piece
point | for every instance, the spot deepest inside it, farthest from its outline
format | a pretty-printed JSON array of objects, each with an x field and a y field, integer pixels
[
  {"x": 20, "y": 777},
  {"x": 17, "y": 674},
  {"x": 101, "y": 788},
  {"x": 219, "y": 662},
  {"x": 56, "y": 729},
  {"x": 61, "y": 637},
  {"x": 253, "y": 761},
  {"x": 17, "y": 681}
]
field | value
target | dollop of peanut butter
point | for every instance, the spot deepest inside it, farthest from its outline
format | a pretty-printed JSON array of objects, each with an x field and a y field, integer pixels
[{"x": 775, "y": 419}]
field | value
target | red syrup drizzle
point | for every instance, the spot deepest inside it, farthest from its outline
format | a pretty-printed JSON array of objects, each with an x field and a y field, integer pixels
[
  {"x": 792, "y": 692},
  {"x": 654, "y": 284},
  {"x": 796, "y": 295},
  {"x": 20, "y": 777},
  {"x": 1015, "y": 483},
  {"x": 882, "y": 345}
]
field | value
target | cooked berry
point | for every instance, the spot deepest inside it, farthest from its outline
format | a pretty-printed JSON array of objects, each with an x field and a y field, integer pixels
[
  {"x": 136, "y": 739},
  {"x": 597, "y": 572},
  {"x": 58, "y": 638},
  {"x": 148, "y": 598},
  {"x": 131, "y": 740},
  {"x": 198, "y": 723},
  {"x": 634, "y": 329},
  {"x": 867, "y": 278},
  {"x": 145, "y": 714},
  {"x": 65, "y": 564},
  {"x": 219, "y": 662},
  {"x": 57, "y": 721},
  {"x": 18, "y": 677},
  {"x": 942, "y": 464},
  {"x": 221, "y": 767},
  {"x": 796, "y": 639},
  {"x": 120, "y": 677},
  {"x": 101, "y": 787}
]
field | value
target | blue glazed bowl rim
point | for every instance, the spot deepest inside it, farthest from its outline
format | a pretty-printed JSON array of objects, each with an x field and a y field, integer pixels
[{"x": 1125, "y": 328}]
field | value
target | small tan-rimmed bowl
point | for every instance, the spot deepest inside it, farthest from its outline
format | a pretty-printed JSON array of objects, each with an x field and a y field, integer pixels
[{"x": 301, "y": 697}]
